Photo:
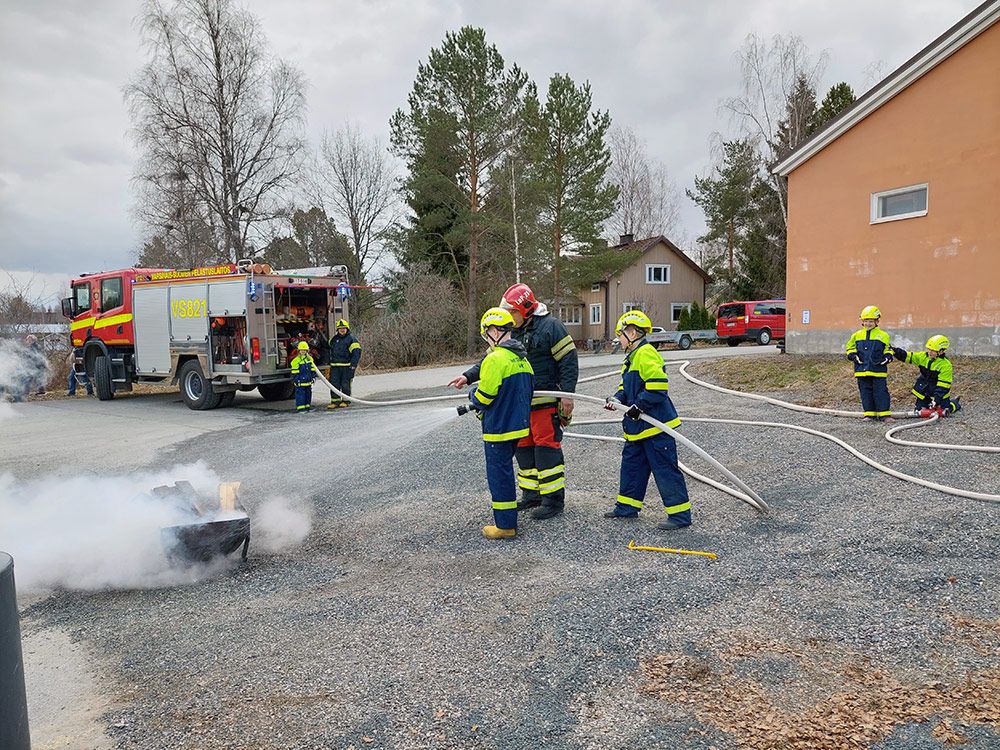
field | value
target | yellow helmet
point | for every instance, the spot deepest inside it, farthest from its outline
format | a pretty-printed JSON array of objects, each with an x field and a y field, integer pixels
[
  {"x": 303, "y": 346},
  {"x": 871, "y": 313},
  {"x": 636, "y": 318},
  {"x": 343, "y": 324},
  {"x": 495, "y": 317},
  {"x": 937, "y": 343}
]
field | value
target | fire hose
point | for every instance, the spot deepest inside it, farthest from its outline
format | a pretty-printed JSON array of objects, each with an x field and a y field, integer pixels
[
  {"x": 745, "y": 493},
  {"x": 889, "y": 435}
]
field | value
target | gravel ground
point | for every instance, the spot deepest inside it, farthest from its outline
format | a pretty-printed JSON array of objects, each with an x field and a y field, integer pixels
[{"x": 397, "y": 625}]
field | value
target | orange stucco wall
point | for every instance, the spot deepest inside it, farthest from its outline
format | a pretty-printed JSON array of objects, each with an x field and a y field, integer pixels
[{"x": 936, "y": 273}]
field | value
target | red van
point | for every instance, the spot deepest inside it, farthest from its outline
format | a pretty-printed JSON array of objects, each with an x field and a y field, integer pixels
[{"x": 759, "y": 320}]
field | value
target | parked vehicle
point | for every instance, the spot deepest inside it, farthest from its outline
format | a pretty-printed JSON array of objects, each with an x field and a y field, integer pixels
[
  {"x": 762, "y": 321},
  {"x": 683, "y": 339},
  {"x": 660, "y": 337},
  {"x": 212, "y": 330}
]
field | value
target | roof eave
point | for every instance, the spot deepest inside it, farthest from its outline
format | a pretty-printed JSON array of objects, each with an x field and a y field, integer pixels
[{"x": 937, "y": 52}]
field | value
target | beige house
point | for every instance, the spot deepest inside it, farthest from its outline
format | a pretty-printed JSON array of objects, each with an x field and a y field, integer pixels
[
  {"x": 896, "y": 203},
  {"x": 662, "y": 282}
]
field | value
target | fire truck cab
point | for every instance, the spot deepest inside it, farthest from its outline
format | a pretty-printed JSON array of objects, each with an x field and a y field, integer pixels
[{"x": 214, "y": 330}]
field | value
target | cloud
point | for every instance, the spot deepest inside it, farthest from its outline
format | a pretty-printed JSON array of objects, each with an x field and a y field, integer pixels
[{"x": 65, "y": 159}]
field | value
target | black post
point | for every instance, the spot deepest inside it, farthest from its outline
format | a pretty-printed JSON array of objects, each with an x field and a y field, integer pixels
[{"x": 13, "y": 702}]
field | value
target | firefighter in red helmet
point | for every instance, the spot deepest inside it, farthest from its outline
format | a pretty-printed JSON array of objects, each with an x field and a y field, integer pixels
[{"x": 553, "y": 358}]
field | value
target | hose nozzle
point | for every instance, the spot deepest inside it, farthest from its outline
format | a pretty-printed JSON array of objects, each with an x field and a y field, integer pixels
[{"x": 463, "y": 409}]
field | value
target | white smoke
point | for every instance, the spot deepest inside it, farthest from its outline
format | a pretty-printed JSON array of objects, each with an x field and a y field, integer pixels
[
  {"x": 280, "y": 524},
  {"x": 97, "y": 532},
  {"x": 23, "y": 370}
]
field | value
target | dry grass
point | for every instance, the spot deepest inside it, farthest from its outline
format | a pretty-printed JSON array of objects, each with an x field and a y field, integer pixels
[
  {"x": 826, "y": 380},
  {"x": 865, "y": 703}
]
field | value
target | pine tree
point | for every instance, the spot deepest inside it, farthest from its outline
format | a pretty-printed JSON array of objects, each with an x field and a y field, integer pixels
[
  {"x": 837, "y": 99},
  {"x": 454, "y": 136},
  {"x": 726, "y": 197},
  {"x": 795, "y": 127},
  {"x": 570, "y": 159}
]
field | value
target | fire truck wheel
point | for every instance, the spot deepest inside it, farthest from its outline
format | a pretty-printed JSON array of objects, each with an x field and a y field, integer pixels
[
  {"x": 276, "y": 391},
  {"x": 226, "y": 399},
  {"x": 102, "y": 378},
  {"x": 195, "y": 389}
]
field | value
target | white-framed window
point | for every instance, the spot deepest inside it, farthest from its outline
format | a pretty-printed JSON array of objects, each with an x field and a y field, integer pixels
[
  {"x": 900, "y": 203},
  {"x": 626, "y": 306},
  {"x": 657, "y": 273},
  {"x": 595, "y": 315},
  {"x": 595, "y": 287},
  {"x": 676, "y": 308},
  {"x": 571, "y": 315}
]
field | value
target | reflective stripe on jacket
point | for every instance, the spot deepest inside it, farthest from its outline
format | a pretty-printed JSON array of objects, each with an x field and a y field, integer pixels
[
  {"x": 552, "y": 354},
  {"x": 344, "y": 350},
  {"x": 644, "y": 383},
  {"x": 873, "y": 347},
  {"x": 503, "y": 396},
  {"x": 302, "y": 370}
]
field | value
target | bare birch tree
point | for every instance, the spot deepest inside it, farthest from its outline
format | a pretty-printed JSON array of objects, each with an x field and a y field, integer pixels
[
  {"x": 770, "y": 71},
  {"x": 213, "y": 112},
  {"x": 648, "y": 199},
  {"x": 357, "y": 185}
]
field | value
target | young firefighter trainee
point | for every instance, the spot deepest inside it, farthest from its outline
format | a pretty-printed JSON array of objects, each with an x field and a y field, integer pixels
[
  {"x": 554, "y": 361},
  {"x": 503, "y": 402},
  {"x": 648, "y": 450}
]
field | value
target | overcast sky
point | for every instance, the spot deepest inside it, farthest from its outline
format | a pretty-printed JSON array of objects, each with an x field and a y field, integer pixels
[{"x": 659, "y": 67}]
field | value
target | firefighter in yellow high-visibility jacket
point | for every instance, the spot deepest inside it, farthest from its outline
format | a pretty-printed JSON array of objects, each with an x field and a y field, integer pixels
[
  {"x": 303, "y": 375},
  {"x": 871, "y": 352}
]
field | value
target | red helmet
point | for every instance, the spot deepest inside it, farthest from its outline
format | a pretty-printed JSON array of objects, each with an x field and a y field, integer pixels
[{"x": 519, "y": 297}]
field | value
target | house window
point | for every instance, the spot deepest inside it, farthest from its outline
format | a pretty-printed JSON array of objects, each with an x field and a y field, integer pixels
[
  {"x": 595, "y": 287},
  {"x": 631, "y": 306},
  {"x": 111, "y": 293},
  {"x": 595, "y": 315},
  {"x": 901, "y": 203},
  {"x": 676, "y": 308},
  {"x": 571, "y": 315},
  {"x": 657, "y": 274}
]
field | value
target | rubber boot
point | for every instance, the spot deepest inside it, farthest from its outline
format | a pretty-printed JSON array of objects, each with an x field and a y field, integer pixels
[
  {"x": 622, "y": 511},
  {"x": 492, "y": 532},
  {"x": 529, "y": 501},
  {"x": 548, "y": 510},
  {"x": 671, "y": 524}
]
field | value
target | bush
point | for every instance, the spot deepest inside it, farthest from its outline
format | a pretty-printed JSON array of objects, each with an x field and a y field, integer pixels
[
  {"x": 684, "y": 322},
  {"x": 427, "y": 325}
]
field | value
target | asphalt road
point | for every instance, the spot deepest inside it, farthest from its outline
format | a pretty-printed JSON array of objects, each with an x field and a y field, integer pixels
[{"x": 397, "y": 625}]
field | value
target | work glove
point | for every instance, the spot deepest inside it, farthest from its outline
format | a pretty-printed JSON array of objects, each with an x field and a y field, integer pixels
[
  {"x": 634, "y": 412},
  {"x": 611, "y": 403},
  {"x": 899, "y": 354},
  {"x": 886, "y": 359},
  {"x": 855, "y": 358}
]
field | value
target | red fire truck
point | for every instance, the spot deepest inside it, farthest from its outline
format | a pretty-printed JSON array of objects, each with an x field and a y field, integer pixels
[{"x": 214, "y": 330}]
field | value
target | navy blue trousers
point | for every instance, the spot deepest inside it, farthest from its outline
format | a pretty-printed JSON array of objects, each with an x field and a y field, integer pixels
[
  {"x": 303, "y": 397},
  {"x": 874, "y": 396},
  {"x": 656, "y": 455},
  {"x": 500, "y": 478},
  {"x": 341, "y": 379}
]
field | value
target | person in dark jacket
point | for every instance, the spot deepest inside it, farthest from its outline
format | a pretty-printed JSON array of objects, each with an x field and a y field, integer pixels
[
  {"x": 303, "y": 376},
  {"x": 933, "y": 385},
  {"x": 554, "y": 361},
  {"x": 345, "y": 353},
  {"x": 321, "y": 345},
  {"x": 503, "y": 402},
  {"x": 871, "y": 352},
  {"x": 648, "y": 450}
]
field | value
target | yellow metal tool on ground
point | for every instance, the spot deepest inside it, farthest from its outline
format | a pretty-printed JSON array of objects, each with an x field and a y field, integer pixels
[{"x": 633, "y": 546}]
